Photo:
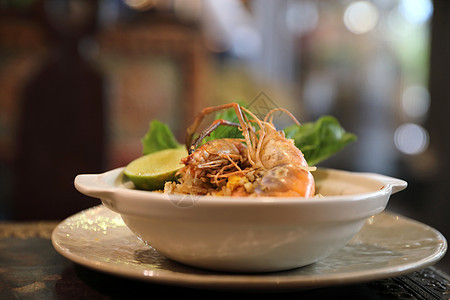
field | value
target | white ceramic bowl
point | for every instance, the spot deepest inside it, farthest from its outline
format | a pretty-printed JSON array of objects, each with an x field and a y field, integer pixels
[{"x": 247, "y": 234}]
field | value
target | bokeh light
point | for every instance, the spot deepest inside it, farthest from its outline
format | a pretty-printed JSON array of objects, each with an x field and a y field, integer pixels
[
  {"x": 411, "y": 139},
  {"x": 416, "y": 11},
  {"x": 361, "y": 17}
]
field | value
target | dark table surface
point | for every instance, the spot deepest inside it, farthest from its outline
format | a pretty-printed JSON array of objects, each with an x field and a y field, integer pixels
[{"x": 30, "y": 268}]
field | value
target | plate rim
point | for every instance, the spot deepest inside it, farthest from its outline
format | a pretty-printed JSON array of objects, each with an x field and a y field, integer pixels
[{"x": 252, "y": 281}]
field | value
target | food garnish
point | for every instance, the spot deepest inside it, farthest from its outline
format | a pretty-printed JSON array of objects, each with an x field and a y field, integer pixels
[
  {"x": 152, "y": 171},
  {"x": 248, "y": 156}
]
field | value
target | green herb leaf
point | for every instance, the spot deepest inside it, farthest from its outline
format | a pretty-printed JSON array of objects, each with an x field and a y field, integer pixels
[
  {"x": 158, "y": 137},
  {"x": 319, "y": 140}
]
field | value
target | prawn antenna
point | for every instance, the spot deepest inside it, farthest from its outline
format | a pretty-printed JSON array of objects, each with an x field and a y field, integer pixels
[
  {"x": 283, "y": 110},
  {"x": 206, "y": 132}
]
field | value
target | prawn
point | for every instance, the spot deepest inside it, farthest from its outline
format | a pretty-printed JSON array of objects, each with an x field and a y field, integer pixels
[
  {"x": 264, "y": 157},
  {"x": 207, "y": 168}
]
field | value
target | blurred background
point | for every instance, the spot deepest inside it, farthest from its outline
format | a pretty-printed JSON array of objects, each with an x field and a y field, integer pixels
[{"x": 80, "y": 80}]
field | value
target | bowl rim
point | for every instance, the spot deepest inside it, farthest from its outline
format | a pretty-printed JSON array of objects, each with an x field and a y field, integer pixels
[{"x": 106, "y": 184}]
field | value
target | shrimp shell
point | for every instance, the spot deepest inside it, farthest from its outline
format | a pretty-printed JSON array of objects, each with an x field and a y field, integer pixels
[{"x": 269, "y": 161}]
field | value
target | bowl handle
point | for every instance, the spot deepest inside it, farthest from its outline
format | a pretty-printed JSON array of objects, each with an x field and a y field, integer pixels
[
  {"x": 96, "y": 185},
  {"x": 396, "y": 184}
]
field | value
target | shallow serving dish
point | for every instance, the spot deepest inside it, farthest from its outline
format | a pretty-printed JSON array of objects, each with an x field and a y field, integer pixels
[{"x": 240, "y": 234}]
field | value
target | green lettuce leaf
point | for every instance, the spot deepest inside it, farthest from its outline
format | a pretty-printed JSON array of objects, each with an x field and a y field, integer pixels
[
  {"x": 319, "y": 140},
  {"x": 158, "y": 137}
]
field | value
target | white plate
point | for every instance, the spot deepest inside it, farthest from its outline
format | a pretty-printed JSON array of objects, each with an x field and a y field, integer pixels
[{"x": 388, "y": 245}]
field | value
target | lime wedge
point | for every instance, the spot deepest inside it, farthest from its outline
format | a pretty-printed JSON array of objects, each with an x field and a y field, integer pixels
[{"x": 151, "y": 171}]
